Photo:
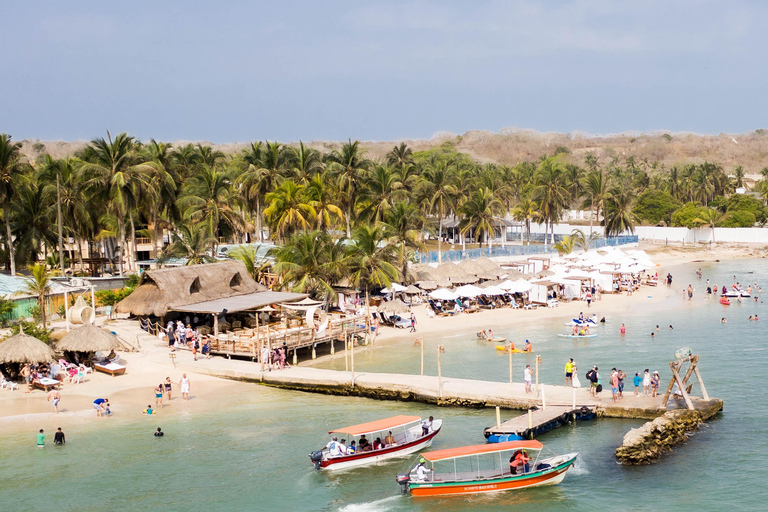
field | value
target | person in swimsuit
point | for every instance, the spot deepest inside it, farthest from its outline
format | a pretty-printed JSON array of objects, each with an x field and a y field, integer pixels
[
  {"x": 168, "y": 386},
  {"x": 58, "y": 437},
  {"x": 159, "y": 395}
]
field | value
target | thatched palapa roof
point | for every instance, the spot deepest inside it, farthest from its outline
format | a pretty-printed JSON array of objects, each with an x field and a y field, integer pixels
[
  {"x": 89, "y": 338},
  {"x": 163, "y": 290},
  {"x": 393, "y": 306},
  {"x": 23, "y": 348}
]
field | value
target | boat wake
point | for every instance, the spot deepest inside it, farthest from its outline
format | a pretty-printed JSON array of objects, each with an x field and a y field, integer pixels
[
  {"x": 371, "y": 506},
  {"x": 578, "y": 469}
]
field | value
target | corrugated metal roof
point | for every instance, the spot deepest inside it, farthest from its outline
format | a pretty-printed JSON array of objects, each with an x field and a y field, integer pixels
[
  {"x": 14, "y": 287},
  {"x": 240, "y": 302}
]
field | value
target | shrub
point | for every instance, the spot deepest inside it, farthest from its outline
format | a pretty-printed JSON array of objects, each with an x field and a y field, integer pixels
[
  {"x": 687, "y": 215},
  {"x": 738, "y": 219},
  {"x": 33, "y": 330},
  {"x": 655, "y": 206}
]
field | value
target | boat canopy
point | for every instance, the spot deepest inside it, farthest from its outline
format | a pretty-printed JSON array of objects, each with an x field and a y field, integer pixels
[
  {"x": 376, "y": 426},
  {"x": 478, "y": 449}
]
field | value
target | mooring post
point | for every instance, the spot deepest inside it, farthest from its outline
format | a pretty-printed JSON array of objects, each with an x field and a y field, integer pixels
[
  {"x": 543, "y": 399},
  {"x": 314, "y": 352},
  {"x": 509, "y": 349},
  {"x": 530, "y": 419},
  {"x": 346, "y": 353},
  {"x": 574, "y": 399},
  {"x": 352, "y": 360},
  {"x": 333, "y": 351},
  {"x": 498, "y": 416}
]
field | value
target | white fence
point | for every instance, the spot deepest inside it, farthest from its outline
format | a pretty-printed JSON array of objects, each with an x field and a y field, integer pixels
[{"x": 678, "y": 235}]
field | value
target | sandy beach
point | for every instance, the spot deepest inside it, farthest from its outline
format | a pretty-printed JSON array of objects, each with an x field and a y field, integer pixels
[{"x": 130, "y": 393}]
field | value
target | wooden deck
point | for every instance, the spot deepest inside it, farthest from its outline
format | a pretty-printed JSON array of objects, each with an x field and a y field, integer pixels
[
  {"x": 541, "y": 420},
  {"x": 249, "y": 342}
]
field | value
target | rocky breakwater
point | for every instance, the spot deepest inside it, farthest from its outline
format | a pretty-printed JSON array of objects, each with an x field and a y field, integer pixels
[{"x": 646, "y": 444}]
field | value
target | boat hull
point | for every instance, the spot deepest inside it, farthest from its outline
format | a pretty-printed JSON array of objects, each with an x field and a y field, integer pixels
[
  {"x": 550, "y": 476},
  {"x": 366, "y": 458}
]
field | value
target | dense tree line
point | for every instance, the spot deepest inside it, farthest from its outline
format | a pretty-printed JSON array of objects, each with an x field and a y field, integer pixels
[{"x": 338, "y": 216}]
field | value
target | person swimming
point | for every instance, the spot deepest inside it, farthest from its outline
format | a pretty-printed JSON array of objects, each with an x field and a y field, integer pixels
[{"x": 528, "y": 346}]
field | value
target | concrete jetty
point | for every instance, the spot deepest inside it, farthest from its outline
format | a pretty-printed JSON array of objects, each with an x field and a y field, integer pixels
[{"x": 429, "y": 389}]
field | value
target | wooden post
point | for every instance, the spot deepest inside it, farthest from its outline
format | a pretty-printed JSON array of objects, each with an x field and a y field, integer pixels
[
  {"x": 574, "y": 398},
  {"x": 543, "y": 399},
  {"x": 683, "y": 392},
  {"x": 530, "y": 419},
  {"x": 664, "y": 400},
  {"x": 367, "y": 316},
  {"x": 295, "y": 358},
  {"x": 421, "y": 343},
  {"x": 66, "y": 309},
  {"x": 216, "y": 325},
  {"x": 509, "y": 349},
  {"x": 352, "y": 360},
  {"x": 439, "y": 374},
  {"x": 701, "y": 383},
  {"x": 333, "y": 351},
  {"x": 498, "y": 416},
  {"x": 314, "y": 353},
  {"x": 538, "y": 360},
  {"x": 261, "y": 357},
  {"x": 346, "y": 353},
  {"x": 93, "y": 307}
]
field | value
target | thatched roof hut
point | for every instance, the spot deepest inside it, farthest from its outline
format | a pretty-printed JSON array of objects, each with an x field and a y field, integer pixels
[
  {"x": 89, "y": 338},
  {"x": 23, "y": 348},
  {"x": 393, "y": 306},
  {"x": 427, "y": 285},
  {"x": 163, "y": 290}
]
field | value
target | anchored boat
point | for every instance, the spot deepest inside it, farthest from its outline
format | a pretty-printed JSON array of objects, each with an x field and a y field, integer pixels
[
  {"x": 398, "y": 436},
  {"x": 485, "y": 468}
]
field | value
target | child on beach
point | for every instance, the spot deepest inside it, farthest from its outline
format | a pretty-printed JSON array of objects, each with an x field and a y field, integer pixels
[
  {"x": 159, "y": 395},
  {"x": 646, "y": 383}
]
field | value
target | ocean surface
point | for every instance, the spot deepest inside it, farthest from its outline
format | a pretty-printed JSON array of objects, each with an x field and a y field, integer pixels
[{"x": 250, "y": 451}]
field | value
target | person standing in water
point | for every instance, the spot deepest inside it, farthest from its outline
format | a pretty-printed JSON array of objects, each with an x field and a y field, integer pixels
[
  {"x": 41, "y": 439},
  {"x": 58, "y": 437},
  {"x": 184, "y": 385}
]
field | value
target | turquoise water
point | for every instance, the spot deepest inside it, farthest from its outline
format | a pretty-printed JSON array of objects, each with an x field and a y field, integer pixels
[{"x": 251, "y": 452}]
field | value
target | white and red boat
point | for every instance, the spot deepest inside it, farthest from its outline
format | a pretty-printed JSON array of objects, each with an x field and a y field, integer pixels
[
  {"x": 485, "y": 468},
  {"x": 407, "y": 435}
]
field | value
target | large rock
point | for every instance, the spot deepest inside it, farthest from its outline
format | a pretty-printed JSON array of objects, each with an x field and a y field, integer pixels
[{"x": 645, "y": 444}]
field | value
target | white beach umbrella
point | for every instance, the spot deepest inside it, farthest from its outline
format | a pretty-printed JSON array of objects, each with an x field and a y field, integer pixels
[
  {"x": 493, "y": 291},
  {"x": 521, "y": 286},
  {"x": 443, "y": 294},
  {"x": 469, "y": 290}
]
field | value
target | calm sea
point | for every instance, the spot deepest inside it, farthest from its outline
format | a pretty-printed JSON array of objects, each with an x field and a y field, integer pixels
[{"x": 250, "y": 453}]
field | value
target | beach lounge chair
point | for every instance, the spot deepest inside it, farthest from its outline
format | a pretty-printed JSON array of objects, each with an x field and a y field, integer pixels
[
  {"x": 10, "y": 385},
  {"x": 111, "y": 368},
  {"x": 552, "y": 303}
]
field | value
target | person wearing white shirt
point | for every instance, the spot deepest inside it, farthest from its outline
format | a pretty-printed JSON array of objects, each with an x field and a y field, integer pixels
[
  {"x": 528, "y": 376},
  {"x": 421, "y": 470}
]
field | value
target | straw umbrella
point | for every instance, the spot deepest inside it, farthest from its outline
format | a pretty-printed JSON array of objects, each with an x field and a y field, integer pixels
[
  {"x": 89, "y": 338},
  {"x": 412, "y": 290},
  {"x": 427, "y": 285},
  {"x": 393, "y": 306},
  {"x": 23, "y": 348}
]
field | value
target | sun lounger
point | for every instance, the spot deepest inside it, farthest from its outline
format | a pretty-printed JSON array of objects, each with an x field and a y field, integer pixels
[
  {"x": 8, "y": 384},
  {"x": 110, "y": 368},
  {"x": 45, "y": 383}
]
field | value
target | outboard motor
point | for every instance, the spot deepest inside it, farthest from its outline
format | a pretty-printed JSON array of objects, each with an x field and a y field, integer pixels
[
  {"x": 403, "y": 479},
  {"x": 316, "y": 457}
]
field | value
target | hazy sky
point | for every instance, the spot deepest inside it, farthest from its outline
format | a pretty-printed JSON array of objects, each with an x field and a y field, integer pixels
[{"x": 237, "y": 71}]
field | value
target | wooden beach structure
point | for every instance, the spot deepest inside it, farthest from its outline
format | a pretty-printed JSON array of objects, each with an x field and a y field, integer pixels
[
  {"x": 539, "y": 420},
  {"x": 216, "y": 293}
]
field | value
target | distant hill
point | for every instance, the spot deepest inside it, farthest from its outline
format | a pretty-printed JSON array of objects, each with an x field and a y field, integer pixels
[{"x": 511, "y": 146}]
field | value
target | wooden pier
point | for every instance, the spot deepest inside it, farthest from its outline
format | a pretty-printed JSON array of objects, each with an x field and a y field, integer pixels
[{"x": 539, "y": 420}]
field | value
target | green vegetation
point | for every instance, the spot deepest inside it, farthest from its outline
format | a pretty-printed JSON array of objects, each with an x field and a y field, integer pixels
[{"x": 340, "y": 216}]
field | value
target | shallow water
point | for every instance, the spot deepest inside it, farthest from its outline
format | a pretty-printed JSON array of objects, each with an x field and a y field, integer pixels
[{"x": 250, "y": 453}]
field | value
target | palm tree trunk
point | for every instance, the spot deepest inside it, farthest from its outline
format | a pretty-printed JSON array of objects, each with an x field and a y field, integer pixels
[
  {"x": 156, "y": 237},
  {"x": 61, "y": 226},
  {"x": 121, "y": 249},
  {"x": 11, "y": 250},
  {"x": 592, "y": 215},
  {"x": 132, "y": 258},
  {"x": 80, "y": 253},
  {"x": 258, "y": 219},
  {"x": 349, "y": 216},
  {"x": 440, "y": 237}
]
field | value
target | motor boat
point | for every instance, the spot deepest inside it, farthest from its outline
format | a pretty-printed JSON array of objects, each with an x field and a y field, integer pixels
[
  {"x": 406, "y": 431},
  {"x": 485, "y": 468}
]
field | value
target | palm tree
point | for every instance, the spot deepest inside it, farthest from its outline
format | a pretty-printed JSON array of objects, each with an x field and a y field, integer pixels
[
  {"x": 33, "y": 223},
  {"x": 400, "y": 156},
  {"x": 403, "y": 221},
  {"x": 378, "y": 192},
  {"x": 320, "y": 195},
  {"x": 249, "y": 255},
  {"x": 190, "y": 241},
  {"x": 113, "y": 174},
  {"x": 439, "y": 191},
  {"x": 581, "y": 240},
  {"x": 206, "y": 155},
  {"x": 566, "y": 245},
  {"x": 303, "y": 163},
  {"x": 208, "y": 198},
  {"x": 12, "y": 168},
  {"x": 311, "y": 262},
  {"x": 596, "y": 191},
  {"x": 618, "y": 216},
  {"x": 710, "y": 217},
  {"x": 349, "y": 165},
  {"x": 371, "y": 257},
  {"x": 550, "y": 192},
  {"x": 526, "y": 211},
  {"x": 39, "y": 285},
  {"x": 160, "y": 190},
  {"x": 288, "y": 210},
  {"x": 479, "y": 214},
  {"x": 738, "y": 177},
  {"x": 264, "y": 171}
]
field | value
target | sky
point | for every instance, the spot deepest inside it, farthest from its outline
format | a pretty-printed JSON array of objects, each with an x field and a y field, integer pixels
[{"x": 228, "y": 71}]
